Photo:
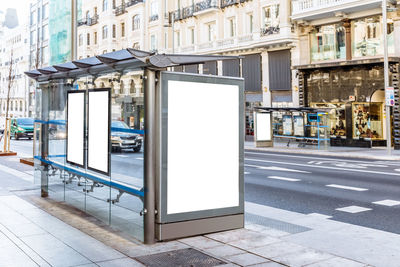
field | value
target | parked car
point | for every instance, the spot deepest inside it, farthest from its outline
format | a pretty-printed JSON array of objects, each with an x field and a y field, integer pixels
[
  {"x": 22, "y": 127},
  {"x": 121, "y": 138}
]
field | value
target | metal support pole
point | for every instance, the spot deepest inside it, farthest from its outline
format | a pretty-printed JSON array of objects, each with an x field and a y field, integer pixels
[
  {"x": 150, "y": 139},
  {"x": 386, "y": 74},
  {"x": 74, "y": 29},
  {"x": 173, "y": 32}
]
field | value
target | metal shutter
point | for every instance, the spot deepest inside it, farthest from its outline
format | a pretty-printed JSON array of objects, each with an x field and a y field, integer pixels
[
  {"x": 231, "y": 67},
  {"x": 251, "y": 69},
  {"x": 210, "y": 68},
  {"x": 279, "y": 64}
]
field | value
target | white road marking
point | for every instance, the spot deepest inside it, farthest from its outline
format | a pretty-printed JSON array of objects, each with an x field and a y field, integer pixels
[
  {"x": 387, "y": 202},
  {"x": 324, "y": 159},
  {"x": 139, "y": 158},
  {"x": 30, "y": 172},
  {"x": 347, "y": 187},
  {"x": 16, "y": 173},
  {"x": 284, "y": 178},
  {"x": 323, "y": 167},
  {"x": 319, "y": 215},
  {"x": 397, "y": 170},
  {"x": 353, "y": 209},
  {"x": 123, "y": 156},
  {"x": 246, "y": 173},
  {"x": 274, "y": 168}
]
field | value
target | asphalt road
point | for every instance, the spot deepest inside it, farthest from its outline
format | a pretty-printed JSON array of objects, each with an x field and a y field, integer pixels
[
  {"x": 322, "y": 185},
  {"x": 359, "y": 192}
]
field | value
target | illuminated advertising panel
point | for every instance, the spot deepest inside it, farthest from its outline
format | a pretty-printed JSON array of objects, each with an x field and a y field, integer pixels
[{"x": 76, "y": 127}]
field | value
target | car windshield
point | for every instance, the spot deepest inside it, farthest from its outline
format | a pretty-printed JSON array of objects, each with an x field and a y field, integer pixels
[
  {"x": 25, "y": 121},
  {"x": 119, "y": 124}
]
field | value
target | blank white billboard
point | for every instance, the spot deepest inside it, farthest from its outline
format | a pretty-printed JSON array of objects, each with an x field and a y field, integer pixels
[
  {"x": 203, "y": 146},
  {"x": 75, "y": 127},
  {"x": 263, "y": 126},
  {"x": 98, "y": 130}
]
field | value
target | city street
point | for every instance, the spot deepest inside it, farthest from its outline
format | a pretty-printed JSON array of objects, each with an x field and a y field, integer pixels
[{"x": 359, "y": 192}]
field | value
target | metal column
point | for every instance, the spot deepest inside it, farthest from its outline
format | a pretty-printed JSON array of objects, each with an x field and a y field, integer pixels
[{"x": 150, "y": 146}]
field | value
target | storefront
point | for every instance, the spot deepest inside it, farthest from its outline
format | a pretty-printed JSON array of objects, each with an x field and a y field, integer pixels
[{"x": 353, "y": 95}]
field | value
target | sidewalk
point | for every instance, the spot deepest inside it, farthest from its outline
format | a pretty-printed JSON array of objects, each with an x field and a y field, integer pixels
[
  {"x": 33, "y": 233},
  {"x": 380, "y": 153}
]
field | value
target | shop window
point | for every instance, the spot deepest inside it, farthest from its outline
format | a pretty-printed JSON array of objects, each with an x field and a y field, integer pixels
[
  {"x": 367, "y": 120},
  {"x": 336, "y": 117},
  {"x": 328, "y": 42},
  {"x": 367, "y": 37}
]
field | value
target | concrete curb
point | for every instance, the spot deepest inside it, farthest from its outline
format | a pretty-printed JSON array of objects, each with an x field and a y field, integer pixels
[{"x": 342, "y": 154}]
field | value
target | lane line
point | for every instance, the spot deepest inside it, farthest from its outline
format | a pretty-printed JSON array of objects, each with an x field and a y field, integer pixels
[
  {"x": 274, "y": 168},
  {"x": 353, "y": 209},
  {"x": 16, "y": 173},
  {"x": 323, "y": 167},
  {"x": 328, "y": 158},
  {"x": 387, "y": 202},
  {"x": 347, "y": 187},
  {"x": 246, "y": 173},
  {"x": 284, "y": 178}
]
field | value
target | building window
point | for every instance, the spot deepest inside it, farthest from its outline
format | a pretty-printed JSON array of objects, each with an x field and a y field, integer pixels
[
  {"x": 367, "y": 37},
  {"x": 20, "y": 105},
  {"x": 136, "y": 45},
  {"x": 153, "y": 45},
  {"x": 135, "y": 22},
  {"x": 104, "y": 51},
  {"x": 105, "y": 31},
  {"x": 45, "y": 55},
  {"x": 154, "y": 8},
  {"x": 45, "y": 32},
  {"x": 328, "y": 42},
  {"x": 105, "y": 5},
  {"x": 122, "y": 29},
  {"x": 250, "y": 23},
  {"x": 177, "y": 39},
  {"x": 45, "y": 11},
  {"x": 32, "y": 19},
  {"x": 271, "y": 16},
  {"x": 95, "y": 37},
  {"x": 192, "y": 36},
  {"x": 231, "y": 23},
  {"x": 80, "y": 39},
  {"x": 88, "y": 39},
  {"x": 210, "y": 31},
  {"x": 114, "y": 31},
  {"x": 38, "y": 15},
  {"x": 113, "y": 4}
]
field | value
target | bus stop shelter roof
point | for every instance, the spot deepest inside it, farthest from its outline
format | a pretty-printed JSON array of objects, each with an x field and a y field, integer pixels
[{"x": 119, "y": 61}]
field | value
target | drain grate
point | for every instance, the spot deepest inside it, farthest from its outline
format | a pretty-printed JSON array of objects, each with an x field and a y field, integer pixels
[
  {"x": 276, "y": 224},
  {"x": 188, "y": 257}
]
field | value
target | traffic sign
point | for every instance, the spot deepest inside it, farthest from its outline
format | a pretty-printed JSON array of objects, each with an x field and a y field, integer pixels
[{"x": 389, "y": 95}]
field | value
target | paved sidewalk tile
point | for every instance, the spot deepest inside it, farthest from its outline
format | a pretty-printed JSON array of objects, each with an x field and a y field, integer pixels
[
  {"x": 223, "y": 251},
  {"x": 303, "y": 257},
  {"x": 276, "y": 249},
  {"x": 246, "y": 259},
  {"x": 269, "y": 264},
  {"x": 337, "y": 262},
  {"x": 201, "y": 242},
  {"x": 260, "y": 241},
  {"x": 11, "y": 255},
  {"x": 125, "y": 262}
]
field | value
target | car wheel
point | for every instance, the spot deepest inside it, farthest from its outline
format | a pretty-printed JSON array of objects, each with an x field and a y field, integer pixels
[
  {"x": 137, "y": 149},
  {"x": 16, "y": 136}
]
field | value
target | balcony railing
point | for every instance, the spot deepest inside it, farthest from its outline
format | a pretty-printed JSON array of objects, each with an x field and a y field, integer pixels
[
  {"x": 204, "y": 5},
  {"x": 269, "y": 31},
  {"x": 89, "y": 21},
  {"x": 153, "y": 17},
  {"x": 119, "y": 10},
  {"x": 226, "y": 3},
  {"x": 133, "y": 2},
  {"x": 300, "y": 6}
]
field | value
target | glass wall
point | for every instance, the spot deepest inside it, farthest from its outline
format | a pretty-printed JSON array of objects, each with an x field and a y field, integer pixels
[
  {"x": 367, "y": 38},
  {"x": 328, "y": 42},
  {"x": 367, "y": 120},
  {"x": 115, "y": 199}
]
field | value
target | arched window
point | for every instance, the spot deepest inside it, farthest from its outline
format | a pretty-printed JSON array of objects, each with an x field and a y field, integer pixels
[
  {"x": 132, "y": 89},
  {"x": 87, "y": 15},
  {"x": 135, "y": 22},
  {"x": 105, "y": 5}
]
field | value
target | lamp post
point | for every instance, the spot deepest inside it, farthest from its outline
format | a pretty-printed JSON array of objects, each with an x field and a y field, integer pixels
[
  {"x": 386, "y": 77},
  {"x": 74, "y": 14}
]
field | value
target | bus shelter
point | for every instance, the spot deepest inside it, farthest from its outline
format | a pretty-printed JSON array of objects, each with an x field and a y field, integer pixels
[
  {"x": 306, "y": 126},
  {"x": 125, "y": 139}
]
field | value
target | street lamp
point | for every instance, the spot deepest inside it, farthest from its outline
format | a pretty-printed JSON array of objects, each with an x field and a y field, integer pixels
[{"x": 386, "y": 77}]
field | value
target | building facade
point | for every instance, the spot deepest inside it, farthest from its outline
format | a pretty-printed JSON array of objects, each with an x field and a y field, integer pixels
[
  {"x": 340, "y": 67},
  {"x": 14, "y": 61},
  {"x": 259, "y": 31}
]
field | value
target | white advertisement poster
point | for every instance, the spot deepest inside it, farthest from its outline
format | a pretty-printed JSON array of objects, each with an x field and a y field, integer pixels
[
  {"x": 201, "y": 118},
  {"x": 75, "y": 127},
  {"x": 287, "y": 125},
  {"x": 99, "y": 130},
  {"x": 298, "y": 122},
  {"x": 263, "y": 127}
]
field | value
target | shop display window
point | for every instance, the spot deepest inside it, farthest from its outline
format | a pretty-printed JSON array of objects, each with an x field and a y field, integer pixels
[
  {"x": 367, "y": 37},
  {"x": 336, "y": 117},
  {"x": 367, "y": 120},
  {"x": 328, "y": 42}
]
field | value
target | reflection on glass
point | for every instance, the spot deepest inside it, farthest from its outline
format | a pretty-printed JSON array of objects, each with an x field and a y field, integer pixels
[
  {"x": 367, "y": 36},
  {"x": 367, "y": 120},
  {"x": 328, "y": 42},
  {"x": 337, "y": 117}
]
